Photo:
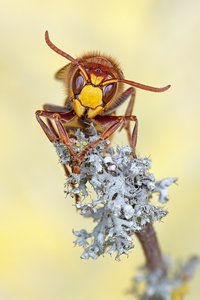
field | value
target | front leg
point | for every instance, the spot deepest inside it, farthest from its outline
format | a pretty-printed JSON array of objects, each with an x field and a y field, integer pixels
[
  {"x": 112, "y": 105},
  {"x": 61, "y": 135},
  {"x": 128, "y": 112},
  {"x": 57, "y": 108},
  {"x": 112, "y": 123}
]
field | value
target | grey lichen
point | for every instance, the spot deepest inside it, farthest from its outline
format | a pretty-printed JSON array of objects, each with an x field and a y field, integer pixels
[
  {"x": 123, "y": 188},
  {"x": 174, "y": 285}
]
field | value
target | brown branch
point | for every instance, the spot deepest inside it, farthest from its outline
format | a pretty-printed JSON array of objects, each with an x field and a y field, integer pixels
[
  {"x": 148, "y": 239},
  {"x": 154, "y": 260}
]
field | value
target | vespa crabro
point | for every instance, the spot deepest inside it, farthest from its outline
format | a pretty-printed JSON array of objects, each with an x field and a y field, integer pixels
[{"x": 95, "y": 88}]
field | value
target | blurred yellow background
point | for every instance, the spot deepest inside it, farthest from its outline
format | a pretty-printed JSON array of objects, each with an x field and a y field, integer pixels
[{"x": 156, "y": 43}]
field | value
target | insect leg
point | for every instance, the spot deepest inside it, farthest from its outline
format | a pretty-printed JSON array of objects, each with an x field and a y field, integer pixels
[
  {"x": 113, "y": 123},
  {"x": 59, "y": 135},
  {"x": 67, "y": 174},
  {"x": 129, "y": 109},
  {"x": 49, "y": 131},
  {"x": 128, "y": 112},
  {"x": 52, "y": 128},
  {"x": 56, "y": 108},
  {"x": 133, "y": 139}
]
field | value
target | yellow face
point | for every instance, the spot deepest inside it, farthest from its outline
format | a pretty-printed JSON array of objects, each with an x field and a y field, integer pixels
[
  {"x": 90, "y": 94},
  {"x": 90, "y": 99}
]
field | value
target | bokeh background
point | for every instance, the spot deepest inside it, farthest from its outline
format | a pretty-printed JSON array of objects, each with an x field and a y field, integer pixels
[{"x": 157, "y": 43}]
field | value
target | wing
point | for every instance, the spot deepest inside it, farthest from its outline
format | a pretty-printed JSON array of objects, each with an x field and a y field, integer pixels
[{"x": 62, "y": 73}]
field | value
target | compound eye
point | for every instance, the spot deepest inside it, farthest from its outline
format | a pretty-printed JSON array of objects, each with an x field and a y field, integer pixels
[
  {"x": 109, "y": 92},
  {"x": 78, "y": 83}
]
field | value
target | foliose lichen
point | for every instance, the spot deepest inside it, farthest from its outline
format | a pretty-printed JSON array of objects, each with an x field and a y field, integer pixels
[
  {"x": 123, "y": 188},
  {"x": 149, "y": 285}
]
